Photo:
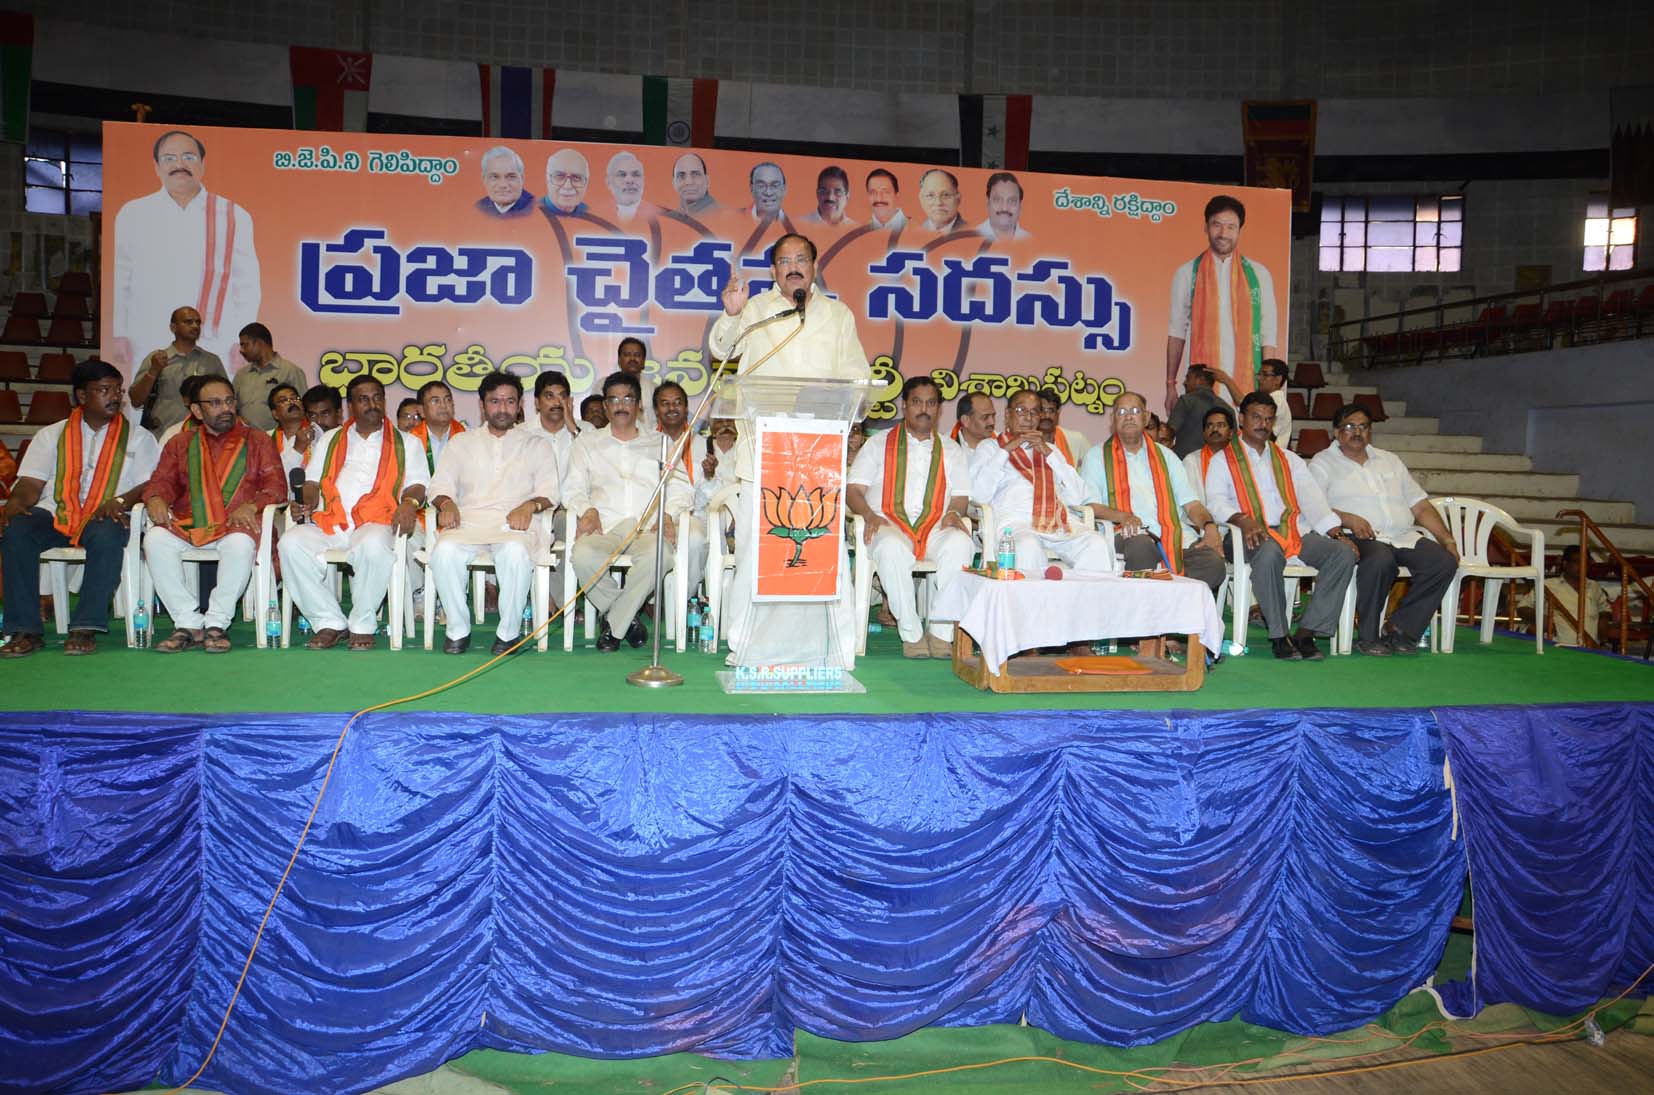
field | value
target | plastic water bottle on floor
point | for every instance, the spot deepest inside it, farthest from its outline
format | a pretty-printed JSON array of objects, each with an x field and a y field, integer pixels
[
  {"x": 1233, "y": 649},
  {"x": 528, "y": 619},
  {"x": 1424, "y": 639},
  {"x": 304, "y": 629},
  {"x": 708, "y": 637},
  {"x": 272, "y": 625},
  {"x": 1007, "y": 549},
  {"x": 692, "y": 618},
  {"x": 140, "y": 624}
]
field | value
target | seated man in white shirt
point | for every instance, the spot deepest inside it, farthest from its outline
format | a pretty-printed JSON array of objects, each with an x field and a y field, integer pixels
[
  {"x": 923, "y": 480},
  {"x": 489, "y": 486},
  {"x": 612, "y": 474},
  {"x": 1031, "y": 488},
  {"x": 1379, "y": 502},
  {"x": 1269, "y": 495},
  {"x": 1217, "y": 428},
  {"x": 364, "y": 484},
  {"x": 1143, "y": 490}
]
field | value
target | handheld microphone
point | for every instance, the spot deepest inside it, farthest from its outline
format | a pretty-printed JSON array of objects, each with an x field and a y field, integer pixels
[
  {"x": 295, "y": 480},
  {"x": 799, "y": 299}
]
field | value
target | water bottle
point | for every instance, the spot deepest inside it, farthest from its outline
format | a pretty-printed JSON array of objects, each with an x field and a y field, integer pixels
[
  {"x": 528, "y": 618},
  {"x": 1424, "y": 639},
  {"x": 692, "y": 617},
  {"x": 272, "y": 625},
  {"x": 140, "y": 623},
  {"x": 1007, "y": 550},
  {"x": 1233, "y": 649},
  {"x": 304, "y": 628},
  {"x": 4, "y": 638},
  {"x": 708, "y": 637}
]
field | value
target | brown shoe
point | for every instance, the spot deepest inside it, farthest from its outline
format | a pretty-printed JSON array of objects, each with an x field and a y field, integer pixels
[
  {"x": 325, "y": 639},
  {"x": 919, "y": 649},
  {"x": 21, "y": 646},
  {"x": 939, "y": 648},
  {"x": 80, "y": 643}
]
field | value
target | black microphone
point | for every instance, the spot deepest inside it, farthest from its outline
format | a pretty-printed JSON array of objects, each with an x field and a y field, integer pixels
[
  {"x": 798, "y": 303},
  {"x": 295, "y": 480}
]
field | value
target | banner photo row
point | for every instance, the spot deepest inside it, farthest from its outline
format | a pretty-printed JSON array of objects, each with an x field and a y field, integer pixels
[{"x": 416, "y": 258}]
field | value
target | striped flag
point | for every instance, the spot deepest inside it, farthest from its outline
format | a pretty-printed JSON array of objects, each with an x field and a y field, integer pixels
[
  {"x": 330, "y": 88},
  {"x": 993, "y": 131},
  {"x": 16, "y": 63},
  {"x": 679, "y": 111},
  {"x": 1280, "y": 147},
  {"x": 516, "y": 101}
]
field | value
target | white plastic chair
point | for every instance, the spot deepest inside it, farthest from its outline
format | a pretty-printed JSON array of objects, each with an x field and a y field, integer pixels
[
  {"x": 539, "y": 593},
  {"x": 1240, "y": 583},
  {"x": 398, "y": 621},
  {"x": 1346, "y": 636},
  {"x": 57, "y": 561},
  {"x": 1472, "y": 522},
  {"x": 862, "y": 570},
  {"x": 259, "y": 589},
  {"x": 720, "y": 560},
  {"x": 676, "y": 591}
]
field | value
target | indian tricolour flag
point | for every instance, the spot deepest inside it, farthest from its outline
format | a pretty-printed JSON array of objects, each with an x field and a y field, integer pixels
[{"x": 679, "y": 111}]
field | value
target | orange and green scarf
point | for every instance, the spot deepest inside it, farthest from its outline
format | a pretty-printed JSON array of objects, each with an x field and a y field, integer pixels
[
  {"x": 1285, "y": 532},
  {"x": 213, "y": 482},
  {"x": 1204, "y": 336},
  {"x": 917, "y": 529},
  {"x": 423, "y": 432},
  {"x": 1165, "y": 505},
  {"x": 378, "y": 505},
  {"x": 1060, "y": 441},
  {"x": 69, "y": 515},
  {"x": 1049, "y": 515}
]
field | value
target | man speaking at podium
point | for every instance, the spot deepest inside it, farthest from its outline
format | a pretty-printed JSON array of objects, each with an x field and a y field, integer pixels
[{"x": 820, "y": 343}]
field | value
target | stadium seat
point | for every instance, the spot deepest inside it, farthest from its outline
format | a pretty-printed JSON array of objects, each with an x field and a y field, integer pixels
[
  {"x": 10, "y": 409},
  {"x": 1373, "y": 404},
  {"x": 71, "y": 306},
  {"x": 14, "y": 365},
  {"x": 1558, "y": 313},
  {"x": 1617, "y": 303},
  {"x": 55, "y": 368},
  {"x": 21, "y": 330},
  {"x": 1308, "y": 376},
  {"x": 1297, "y": 405},
  {"x": 46, "y": 407},
  {"x": 32, "y": 305},
  {"x": 1325, "y": 406},
  {"x": 1586, "y": 309},
  {"x": 67, "y": 332},
  {"x": 1527, "y": 315},
  {"x": 1311, "y": 442},
  {"x": 75, "y": 282}
]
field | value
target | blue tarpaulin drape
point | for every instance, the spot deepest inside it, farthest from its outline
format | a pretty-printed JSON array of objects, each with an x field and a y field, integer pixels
[{"x": 633, "y": 885}]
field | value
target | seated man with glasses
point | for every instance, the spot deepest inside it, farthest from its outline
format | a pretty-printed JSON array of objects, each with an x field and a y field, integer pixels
[
  {"x": 611, "y": 476},
  {"x": 207, "y": 493},
  {"x": 1146, "y": 493},
  {"x": 1379, "y": 502}
]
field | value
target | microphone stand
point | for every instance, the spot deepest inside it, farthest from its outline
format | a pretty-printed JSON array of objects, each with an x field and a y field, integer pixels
[{"x": 656, "y": 675}]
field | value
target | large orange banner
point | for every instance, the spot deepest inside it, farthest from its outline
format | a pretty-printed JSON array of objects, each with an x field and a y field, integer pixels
[{"x": 418, "y": 257}]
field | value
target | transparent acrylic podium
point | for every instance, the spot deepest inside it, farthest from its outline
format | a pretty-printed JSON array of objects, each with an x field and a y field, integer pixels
[{"x": 783, "y": 643}]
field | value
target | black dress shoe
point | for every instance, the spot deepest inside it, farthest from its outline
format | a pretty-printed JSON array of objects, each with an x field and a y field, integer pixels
[
  {"x": 1401, "y": 644},
  {"x": 501, "y": 646},
  {"x": 1285, "y": 650},
  {"x": 456, "y": 646},
  {"x": 606, "y": 640},
  {"x": 637, "y": 634},
  {"x": 1306, "y": 646},
  {"x": 1375, "y": 648}
]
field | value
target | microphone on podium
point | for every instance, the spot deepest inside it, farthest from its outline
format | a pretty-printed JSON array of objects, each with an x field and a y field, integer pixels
[
  {"x": 295, "y": 480},
  {"x": 799, "y": 299}
]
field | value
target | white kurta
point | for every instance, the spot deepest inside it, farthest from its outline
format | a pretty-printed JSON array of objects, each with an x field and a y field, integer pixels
[
  {"x": 1222, "y": 497},
  {"x": 160, "y": 260},
  {"x": 1183, "y": 307},
  {"x": 488, "y": 477},
  {"x": 617, "y": 477},
  {"x": 1382, "y": 490},
  {"x": 362, "y": 465}
]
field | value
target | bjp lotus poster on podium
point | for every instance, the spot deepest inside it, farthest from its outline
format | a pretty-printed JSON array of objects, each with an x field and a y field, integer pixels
[
  {"x": 799, "y": 512},
  {"x": 419, "y": 258}
]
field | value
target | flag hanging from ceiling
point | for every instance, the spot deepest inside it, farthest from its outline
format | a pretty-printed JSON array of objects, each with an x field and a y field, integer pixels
[
  {"x": 1631, "y": 148},
  {"x": 16, "y": 64},
  {"x": 993, "y": 131},
  {"x": 679, "y": 111},
  {"x": 1280, "y": 147},
  {"x": 516, "y": 101},
  {"x": 330, "y": 89}
]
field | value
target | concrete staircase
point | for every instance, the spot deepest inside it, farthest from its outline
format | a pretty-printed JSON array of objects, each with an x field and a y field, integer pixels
[{"x": 1456, "y": 464}]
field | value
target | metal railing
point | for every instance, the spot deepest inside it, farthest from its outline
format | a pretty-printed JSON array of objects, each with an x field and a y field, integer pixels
[
  {"x": 1606, "y": 308},
  {"x": 1589, "y": 531}
]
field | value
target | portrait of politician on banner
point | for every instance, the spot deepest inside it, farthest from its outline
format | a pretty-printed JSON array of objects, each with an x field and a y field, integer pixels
[{"x": 799, "y": 503}]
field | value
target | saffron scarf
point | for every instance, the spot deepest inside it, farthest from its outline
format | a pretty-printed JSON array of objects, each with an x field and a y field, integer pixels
[
  {"x": 1060, "y": 441},
  {"x": 1049, "y": 514},
  {"x": 378, "y": 505},
  {"x": 918, "y": 528},
  {"x": 69, "y": 515},
  {"x": 423, "y": 432},
  {"x": 1165, "y": 505},
  {"x": 1285, "y": 532},
  {"x": 213, "y": 482},
  {"x": 1204, "y": 336}
]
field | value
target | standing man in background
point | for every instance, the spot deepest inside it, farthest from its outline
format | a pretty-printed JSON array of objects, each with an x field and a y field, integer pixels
[{"x": 264, "y": 372}]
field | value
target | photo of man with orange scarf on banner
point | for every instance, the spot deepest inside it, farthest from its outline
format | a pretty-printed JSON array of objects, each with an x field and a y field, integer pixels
[{"x": 1223, "y": 305}]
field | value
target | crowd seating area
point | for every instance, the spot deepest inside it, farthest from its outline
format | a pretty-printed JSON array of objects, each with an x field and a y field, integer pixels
[{"x": 37, "y": 355}]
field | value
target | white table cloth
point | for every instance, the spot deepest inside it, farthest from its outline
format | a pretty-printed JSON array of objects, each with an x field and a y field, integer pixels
[{"x": 1005, "y": 617}]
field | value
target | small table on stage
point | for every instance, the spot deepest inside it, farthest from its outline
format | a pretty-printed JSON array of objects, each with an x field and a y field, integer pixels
[{"x": 1000, "y": 618}]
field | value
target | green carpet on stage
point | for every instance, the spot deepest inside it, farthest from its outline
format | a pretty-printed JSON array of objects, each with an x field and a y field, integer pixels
[{"x": 248, "y": 679}]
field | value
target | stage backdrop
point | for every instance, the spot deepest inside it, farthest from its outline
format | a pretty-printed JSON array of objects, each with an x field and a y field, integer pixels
[{"x": 383, "y": 254}]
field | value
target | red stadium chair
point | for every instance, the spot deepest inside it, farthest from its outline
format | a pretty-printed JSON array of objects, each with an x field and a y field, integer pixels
[
  {"x": 1308, "y": 376},
  {"x": 1645, "y": 300},
  {"x": 55, "y": 368},
  {"x": 46, "y": 407},
  {"x": 70, "y": 306},
  {"x": 1617, "y": 303},
  {"x": 32, "y": 305},
  {"x": 1311, "y": 442},
  {"x": 14, "y": 365},
  {"x": 10, "y": 409},
  {"x": 1373, "y": 405},
  {"x": 1558, "y": 313},
  {"x": 67, "y": 332},
  {"x": 1326, "y": 405},
  {"x": 1585, "y": 309},
  {"x": 75, "y": 282},
  {"x": 1297, "y": 405},
  {"x": 1527, "y": 315},
  {"x": 21, "y": 330}
]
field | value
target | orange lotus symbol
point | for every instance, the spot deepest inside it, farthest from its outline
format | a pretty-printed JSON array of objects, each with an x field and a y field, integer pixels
[{"x": 799, "y": 515}]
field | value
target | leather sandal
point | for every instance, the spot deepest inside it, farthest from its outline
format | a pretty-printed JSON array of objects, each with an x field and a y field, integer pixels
[
  {"x": 80, "y": 642},
  {"x": 178, "y": 642},
  {"x": 362, "y": 642},
  {"x": 216, "y": 641},
  {"x": 21, "y": 646},
  {"x": 325, "y": 639}
]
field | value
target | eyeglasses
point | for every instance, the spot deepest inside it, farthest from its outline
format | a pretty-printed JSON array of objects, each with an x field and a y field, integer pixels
[
  {"x": 1024, "y": 412},
  {"x": 1352, "y": 427},
  {"x": 798, "y": 263},
  {"x": 1128, "y": 412},
  {"x": 568, "y": 178},
  {"x": 172, "y": 159},
  {"x": 621, "y": 400},
  {"x": 227, "y": 404}
]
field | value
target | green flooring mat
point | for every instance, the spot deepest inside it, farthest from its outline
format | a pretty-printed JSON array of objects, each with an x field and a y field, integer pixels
[{"x": 248, "y": 679}]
